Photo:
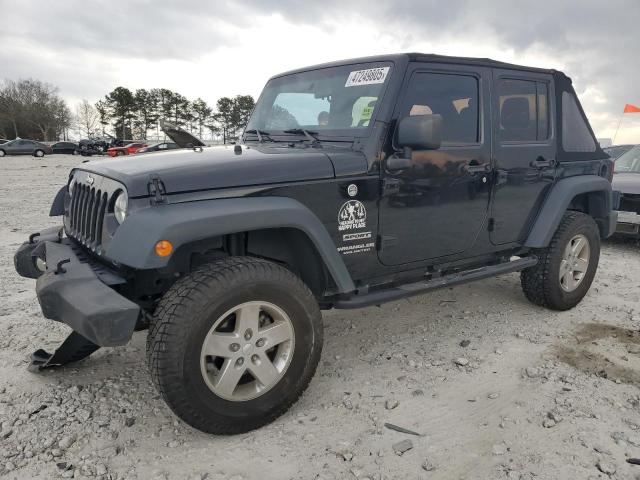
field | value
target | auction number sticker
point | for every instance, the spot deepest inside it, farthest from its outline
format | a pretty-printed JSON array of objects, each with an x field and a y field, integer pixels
[{"x": 367, "y": 77}]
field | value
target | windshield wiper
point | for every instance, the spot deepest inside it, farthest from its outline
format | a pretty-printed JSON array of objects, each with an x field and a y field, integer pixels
[
  {"x": 307, "y": 133},
  {"x": 261, "y": 134}
]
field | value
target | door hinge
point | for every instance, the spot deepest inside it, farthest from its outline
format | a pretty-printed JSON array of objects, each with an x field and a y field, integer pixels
[
  {"x": 157, "y": 190},
  {"x": 390, "y": 186}
]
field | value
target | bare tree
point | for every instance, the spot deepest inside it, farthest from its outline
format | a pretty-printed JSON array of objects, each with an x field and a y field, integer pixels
[
  {"x": 11, "y": 109},
  {"x": 32, "y": 109},
  {"x": 87, "y": 119}
]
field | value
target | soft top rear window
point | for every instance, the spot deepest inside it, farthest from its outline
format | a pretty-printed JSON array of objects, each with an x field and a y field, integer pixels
[{"x": 576, "y": 136}]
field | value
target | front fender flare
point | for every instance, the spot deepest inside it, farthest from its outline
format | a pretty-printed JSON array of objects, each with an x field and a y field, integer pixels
[
  {"x": 57, "y": 207},
  {"x": 559, "y": 199},
  {"x": 181, "y": 223}
]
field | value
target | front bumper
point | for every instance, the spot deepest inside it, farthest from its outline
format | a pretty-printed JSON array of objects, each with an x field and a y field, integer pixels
[
  {"x": 73, "y": 291},
  {"x": 628, "y": 223}
]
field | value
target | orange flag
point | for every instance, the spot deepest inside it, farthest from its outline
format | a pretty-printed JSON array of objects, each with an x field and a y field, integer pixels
[{"x": 628, "y": 108}]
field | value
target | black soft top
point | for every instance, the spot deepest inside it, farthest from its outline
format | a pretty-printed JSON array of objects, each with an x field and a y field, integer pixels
[
  {"x": 575, "y": 138},
  {"x": 427, "y": 57}
]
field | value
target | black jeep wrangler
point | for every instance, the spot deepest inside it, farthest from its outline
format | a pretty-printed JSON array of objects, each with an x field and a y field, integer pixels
[{"x": 355, "y": 183}]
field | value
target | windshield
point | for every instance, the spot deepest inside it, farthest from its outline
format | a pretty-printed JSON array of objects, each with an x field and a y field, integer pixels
[
  {"x": 617, "y": 150},
  {"x": 338, "y": 101},
  {"x": 628, "y": 162}
]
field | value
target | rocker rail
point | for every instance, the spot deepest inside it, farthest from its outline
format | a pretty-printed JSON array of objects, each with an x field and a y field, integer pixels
[{"x": 411, "y": 289}]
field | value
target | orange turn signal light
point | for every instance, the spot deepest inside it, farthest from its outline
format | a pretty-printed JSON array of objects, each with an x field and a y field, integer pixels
[{"x": 163, "y": 248}]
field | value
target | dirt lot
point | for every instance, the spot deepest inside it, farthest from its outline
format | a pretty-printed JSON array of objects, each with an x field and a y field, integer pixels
[{"x": 494, "y": 386}]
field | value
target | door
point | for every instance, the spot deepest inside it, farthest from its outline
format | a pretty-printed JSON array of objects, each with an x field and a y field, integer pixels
[
  {"x": 23, "y": 147},
  {"x": 438, "y": 206},
  {"x": 524, "y": 151}
]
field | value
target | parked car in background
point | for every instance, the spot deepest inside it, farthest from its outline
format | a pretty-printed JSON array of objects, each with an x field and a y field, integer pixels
[
  {"x": 615, "y": 151},
  {"x": 119, "y": 142},
  {"x": 20, "y": 146},
  {"x": 100, "y": 145},
  {"x": 129, "y": 149},
  {"x": 89, "y": 147},
  {"x": 158, "y": 147},
  {"x": 626, "y": 180},
  {"x": 69, "y": 148}
]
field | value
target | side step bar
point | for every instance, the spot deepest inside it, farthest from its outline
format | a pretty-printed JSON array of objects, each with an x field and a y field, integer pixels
[{"x": 411, "y": 289}]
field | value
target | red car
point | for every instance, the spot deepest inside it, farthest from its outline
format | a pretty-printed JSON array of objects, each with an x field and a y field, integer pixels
[{"x": 129, "y": 149}]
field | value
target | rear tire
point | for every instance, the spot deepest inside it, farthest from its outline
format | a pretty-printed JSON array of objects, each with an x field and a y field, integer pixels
[
  {"x": 201, "y": 312},
  {"x": 2, "y": 153},
  {"x": 566, "y": 268},
  {"x": 38, "y": 153}
]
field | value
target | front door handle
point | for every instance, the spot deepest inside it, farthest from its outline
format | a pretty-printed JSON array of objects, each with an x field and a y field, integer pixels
[
  {"x": 474, "y": 167},
  {"x": 542, "y": 162}
]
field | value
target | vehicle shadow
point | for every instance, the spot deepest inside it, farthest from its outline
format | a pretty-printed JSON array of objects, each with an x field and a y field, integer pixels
[{"x": 623, "y": 241}]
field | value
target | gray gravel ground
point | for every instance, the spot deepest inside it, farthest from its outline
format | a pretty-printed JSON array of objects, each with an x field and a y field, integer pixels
[{"x": 495, "y": 387}]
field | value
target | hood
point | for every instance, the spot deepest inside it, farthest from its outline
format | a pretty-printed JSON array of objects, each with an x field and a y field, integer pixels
[
  {"x": 181, "y": 137},
  {"x": 214, "y": 168},
  {"x": 626, "y": 183}
]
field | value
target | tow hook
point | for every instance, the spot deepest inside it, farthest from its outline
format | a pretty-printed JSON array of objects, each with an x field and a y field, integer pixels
[{"x": 59, "y": 268}]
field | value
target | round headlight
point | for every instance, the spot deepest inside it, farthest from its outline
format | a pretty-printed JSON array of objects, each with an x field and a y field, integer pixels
[{"x": 120, "y": 207}]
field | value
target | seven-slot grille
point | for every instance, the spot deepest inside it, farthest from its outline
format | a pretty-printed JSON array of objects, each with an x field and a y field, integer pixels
[{"x": 86, "y": 214}]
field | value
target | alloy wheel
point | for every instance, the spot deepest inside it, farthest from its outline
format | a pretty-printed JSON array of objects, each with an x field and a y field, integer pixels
[
  {"x": 574, "y": 263},
  {"x": 247, "y": 351}
]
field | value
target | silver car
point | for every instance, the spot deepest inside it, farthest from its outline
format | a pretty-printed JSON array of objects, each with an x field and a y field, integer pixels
[
  {"x": 24, "y": 147},
  {"x": 626, "y": 180}
]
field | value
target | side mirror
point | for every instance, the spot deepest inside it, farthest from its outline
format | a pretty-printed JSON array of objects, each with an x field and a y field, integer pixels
[{"x": 420, "y": 132}]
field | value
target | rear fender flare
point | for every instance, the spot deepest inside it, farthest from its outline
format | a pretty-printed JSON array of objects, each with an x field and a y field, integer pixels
[
  {"x": 182, "y": 223},
  {"x": 558, "y": 201}
]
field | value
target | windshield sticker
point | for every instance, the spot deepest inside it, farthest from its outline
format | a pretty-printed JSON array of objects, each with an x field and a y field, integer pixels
[
  {"x": 366, "y": 113},
  {"x": 352, "y": 215},
  {"x": 367, "y": 77}
]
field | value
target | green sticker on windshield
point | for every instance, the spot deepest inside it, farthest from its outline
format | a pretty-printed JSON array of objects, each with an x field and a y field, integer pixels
[{"x": 366, "y": 113}]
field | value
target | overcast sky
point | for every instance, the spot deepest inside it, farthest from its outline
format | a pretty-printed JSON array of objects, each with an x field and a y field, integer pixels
[{"x": 209, "y": 49}]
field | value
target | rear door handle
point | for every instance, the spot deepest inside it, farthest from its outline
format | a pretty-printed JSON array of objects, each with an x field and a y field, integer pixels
[{"x": 542, "y": 162}]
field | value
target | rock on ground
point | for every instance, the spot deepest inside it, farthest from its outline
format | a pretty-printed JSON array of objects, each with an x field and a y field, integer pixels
[{"x": 579, "y": 369}]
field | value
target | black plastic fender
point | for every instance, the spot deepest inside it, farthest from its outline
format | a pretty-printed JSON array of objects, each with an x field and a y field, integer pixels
[
  {"x": 182, "y": 223},
  {"x": 557, "y": 202},
  {"x": 57, "y": 207}
]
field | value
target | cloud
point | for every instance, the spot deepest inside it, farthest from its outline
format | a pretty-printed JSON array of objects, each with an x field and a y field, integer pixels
[{"x": 210, "y": 49}]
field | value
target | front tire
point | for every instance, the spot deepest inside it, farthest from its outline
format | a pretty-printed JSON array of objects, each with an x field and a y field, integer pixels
[
  {"x": 566, "y": 268},
  {"x": 2, "y": 153},
  {"x": 234, "y": 344},
  {"x": 38, "y": 153}
]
